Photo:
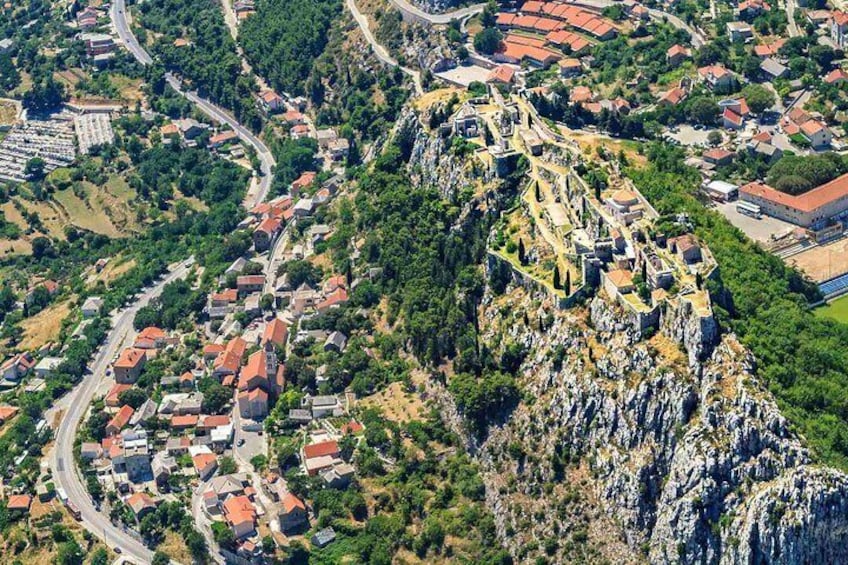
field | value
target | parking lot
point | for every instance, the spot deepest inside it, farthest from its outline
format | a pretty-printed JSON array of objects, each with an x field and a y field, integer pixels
[
  {"x": 464, "y": 75},
  {"x": 760, "y": 230}
]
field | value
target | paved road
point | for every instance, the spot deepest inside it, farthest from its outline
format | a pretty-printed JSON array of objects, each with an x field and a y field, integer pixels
[
  {"x": 380, "y": 51},
  {"x": 62, "y": 459},
  {"x": 792, "y": 26},
  {"x": 118, "y": 15},
  {"x": 414, "y": 12}
]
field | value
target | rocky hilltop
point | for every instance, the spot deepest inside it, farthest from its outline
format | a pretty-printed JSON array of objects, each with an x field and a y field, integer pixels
[
  {"x": 630, "y": 447},
  {"x": 627, "y": 452}
]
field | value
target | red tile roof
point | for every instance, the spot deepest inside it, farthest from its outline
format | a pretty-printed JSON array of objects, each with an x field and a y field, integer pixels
[
  {"x": 290, "y": 502},
  {"x": 19, "y": 502},
  {"x": 185, "y": 421},
  {"x": 321, "y": 449},
  {"x": 807, "y": 202},
  {"x": 130, "y": 358},
  {"x": 121, "y": 418},
  {"x": 276, "y": 332}
]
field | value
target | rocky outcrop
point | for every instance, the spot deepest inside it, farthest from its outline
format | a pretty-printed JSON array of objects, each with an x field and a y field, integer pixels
[
  {"x": 432, "y": 163},
  {"x": 679, "y": 460}
]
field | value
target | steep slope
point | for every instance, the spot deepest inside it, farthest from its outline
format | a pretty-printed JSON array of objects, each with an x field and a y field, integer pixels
[{"x": 627, "y": 452}]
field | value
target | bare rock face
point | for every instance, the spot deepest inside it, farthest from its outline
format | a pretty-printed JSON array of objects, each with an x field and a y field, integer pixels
[{"x": 638, "y": 451}]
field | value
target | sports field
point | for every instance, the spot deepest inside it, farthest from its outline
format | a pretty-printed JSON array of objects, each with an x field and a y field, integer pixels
[{"x": 836, "y": 309}]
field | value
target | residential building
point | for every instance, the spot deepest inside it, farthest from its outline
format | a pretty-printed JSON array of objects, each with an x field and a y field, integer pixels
[
  {"x": 119, "y": 420},
  {"x": 677, "y": 54},
  {"x": 205, "y": 463},
  {"x": 716, "y": 77},
  {"x": 739, "y": 31},
  {"x": 266, "y": 233},
  {"x": 247, "y": 284},
  {"x": 153, "y": 338},
  {"x": 271, "y": 102},
  {"x": 141, "y": 504},
  {"x": 240, "y": 515},
  {"x": 91, "y": 307},
  {"x": 253, "y": 404},
  {"x": 129, "y": 365},
  {"x": 293, "y": 515}
]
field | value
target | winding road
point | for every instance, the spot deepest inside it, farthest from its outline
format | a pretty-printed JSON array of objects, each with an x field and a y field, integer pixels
[
  {"x": 62, "y": 461},
  {"x": 380, "y": 51},
  {"x": 118, "y": 14}
]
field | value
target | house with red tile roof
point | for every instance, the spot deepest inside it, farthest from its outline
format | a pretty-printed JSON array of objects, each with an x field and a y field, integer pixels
[
  {"x": 112, "y": 398},
  {"x": 141, "y": 504},
  {"x": 17, "y": 366},
  {"x": 119, "y": 420},
  {"x": 7, "y": 413},
  {"x": 716, "y": 77},
  {"x": 305, "y": 180},
  {"x": 836, "y": 76},
  {"x": 228, "y": 361},
  {"x": 731, "y": 120},
  {"x": 205, "y": 464},
  {"x": 718, "y": 156},
  {"x": 153, "y": 338},
  {"x": 293, "y": 515},
  {"x": 183, "y": 422},
  {"x": 266, "y": 233},
  {"x": 672, "y": 97},
  {"x": 676, "y": 54},
  {"x": 502, "y": 74},
  {"x": 18, "y": 504},
  {"x": 276, "y": 332},
  {"x": 223, "y": 138},
  {"x": 271, "y": 102},
  {"x": 129, "y": 365},
  {"x": 332, "y": 300},
  {"x": 250, "y": 283},
  {"x": 839, "y": 28},
  {"x": 240, "y": 515}
]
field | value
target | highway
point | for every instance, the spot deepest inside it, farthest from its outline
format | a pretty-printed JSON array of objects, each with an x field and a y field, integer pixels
[
  {"x": 118, "y": 14},
  {"x": 62, "y": 461},
  {"x": 380, "y": 51}
]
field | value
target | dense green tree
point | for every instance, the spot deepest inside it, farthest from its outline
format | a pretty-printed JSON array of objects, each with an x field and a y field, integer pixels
[{"x": 488, "y": 40}]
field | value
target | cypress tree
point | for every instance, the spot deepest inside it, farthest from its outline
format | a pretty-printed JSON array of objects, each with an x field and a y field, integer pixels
[
  {"x": 567, "y": 283},
  {"x": 556, "y": 276},
  {"x": 521, "y": 251}
]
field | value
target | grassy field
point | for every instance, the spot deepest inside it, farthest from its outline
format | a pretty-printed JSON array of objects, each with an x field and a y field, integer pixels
[
  {"x": 835, "y": 309},
  {"x": 45, "y": 326}
]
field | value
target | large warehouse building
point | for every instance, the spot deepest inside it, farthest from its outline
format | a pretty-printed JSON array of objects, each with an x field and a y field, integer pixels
[{"x": 812, "y": 209}]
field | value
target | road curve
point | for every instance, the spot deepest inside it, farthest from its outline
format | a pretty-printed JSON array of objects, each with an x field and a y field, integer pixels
[
  {"x": 380, "y": 51},
  {"x": 118, "y": 14},
  {"x": 414, "y": 12},
  {"x": 62, "y": 459}
]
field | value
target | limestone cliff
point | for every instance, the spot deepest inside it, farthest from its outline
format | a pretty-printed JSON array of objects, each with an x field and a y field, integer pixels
[{"x": 632, "y": 450}]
